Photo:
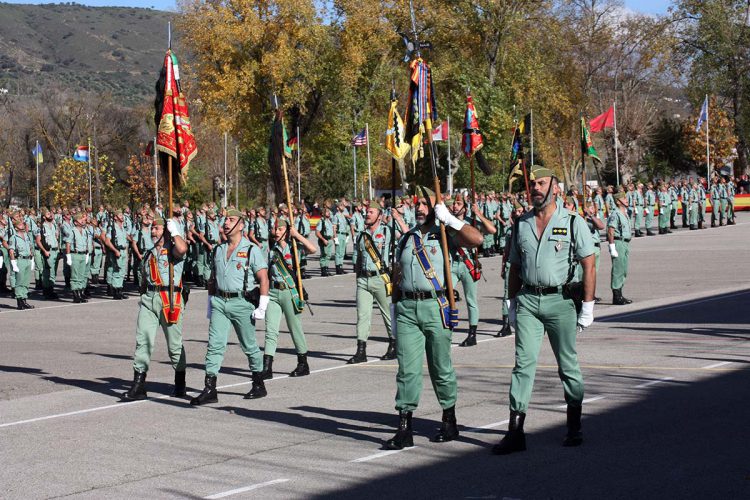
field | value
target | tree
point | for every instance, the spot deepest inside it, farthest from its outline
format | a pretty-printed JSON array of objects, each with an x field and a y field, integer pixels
[
  {"x": 141, "y": 180},
  {"x": 721, "y": 139},
  {"x": 70, "y": 181}
]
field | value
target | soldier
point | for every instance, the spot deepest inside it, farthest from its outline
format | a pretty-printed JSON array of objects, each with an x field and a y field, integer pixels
[
  {"x": 731, "y": 191},
  {"x": 5, "y": 233},
  {"x": 599, "y": 202},
  {"x": 547, "y": 244},
  {"x": 141, "y": 242},
  {"x": 155, "y": 309},
  {"x": 618, "y": 237},
  {"x": 723, "y": 201},
  {"x": 703, "y": 205},
  {"x": 373, "y": 250},
  {"x": 238, "y": 297},
  {"x": 341, "y": 230},
  {"x": 357, "y": 223},
  {"x": 684, "y": 192},
  {"x": 694, "y": 206},
  {"x": 49, "y": 243},
  {"x": 325, "y": 234},
  {"x": 260, "y": 230},
  {"x": 423, "y": 318},
  {"x": 463, "y": 265},
  {"x": 21, "y": 254},
  {"x": 77, "y": 255},
  {"x": 665, "y": 204},
  {"x": 673, "y": 192},
  {"x": 609, "y": 200},
  {"x": 117, "y": 240},
  {"x": 285, "y": 299},
  {"x": 505, "y": 330},
  {"x": 302, "y": 223},
  {"x": 650, "y": 205}
]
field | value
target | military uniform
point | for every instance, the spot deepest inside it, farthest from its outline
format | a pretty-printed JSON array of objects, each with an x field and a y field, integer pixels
[
  {"x": 325, "y": 228},
  {"x": 50, "y": 236},
  {"x": 119, "y": 237},
  {"x": 78, "y": 247},
  {"x": 341, "y": 228},
  {"x": 650, "y": 204},
  {"x": 620, "y": 257},
  {"x": 21, "y": 253},
  {"x": 665, "y": 203}
]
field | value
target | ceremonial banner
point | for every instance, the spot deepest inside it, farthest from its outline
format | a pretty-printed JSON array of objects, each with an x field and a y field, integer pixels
[
  {"x": 395, "y": 139},
  {"x": 605, "y": 120},
  {"x": 587, "y": 146},
  {"x": 420, "y": 109},
  {"x": 471, "y": 140}
]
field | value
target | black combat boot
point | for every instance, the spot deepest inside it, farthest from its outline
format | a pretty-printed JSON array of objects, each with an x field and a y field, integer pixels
[
  {"x": 404, "y": 437},
  {"x": 81, "y": 298},
  {"x": 693, "y": 227},
  {"x": 122, "y": 294},
  {"x": 361, "y": 355},
  {"x": 95, "y": 279},
  {"x": 515, "y": 439},
  {"x": 302, "y": 367},
  {"x": 339, "y": 270},
  {"x": 505, "y": 331},
  {"x": 258, "y": 390},
  {"x": 26, "y": 305},
  {"x": 76, "y": 299},
  {"x": 179, "y": 384},
  {"x": 19, "y": 304},
  {"x": 574, "y": 437},
  {"x": 618, "y": 299},
  {"x": 625, "y": 299},
  {"x": 51, "y": 295},
  {"x": 448, "y": 428},
  {"x": 390, "y": 353},
  {"x": 267, "y": 373},
  {"x": 638, "y": 233},
  {"x": 38, "y": 285},
  {"x": 138, "y": 389},
  {"x": 649, "y": 232},
  {"x": 471, "y": 338},
  {"x": 208, "y": 395},
  {"x": 324, "y": 272}
]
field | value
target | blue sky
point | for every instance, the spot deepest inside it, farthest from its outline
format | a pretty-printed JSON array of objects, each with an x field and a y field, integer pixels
[{"x": 646, "y": 6}]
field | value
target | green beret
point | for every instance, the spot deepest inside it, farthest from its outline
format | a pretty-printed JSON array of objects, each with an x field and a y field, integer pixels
[
  {"x": 424, "y": 192},
  {"x": 233, "y": 212},
  {"x": 537, "y": 172},
  {"x": 620, "y": 196},
  {"x": 159, "y": 221},
  {"x": 118, "y": 213},
  {"x": 282, "y": 221}
]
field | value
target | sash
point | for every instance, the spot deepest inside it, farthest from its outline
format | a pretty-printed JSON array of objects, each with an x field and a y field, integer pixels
[
  {"x": 448, "y": 315},
  {"x": 280, "y": 265},
  {"x": 376, "y": 259},
  {"x": 475, "y": 272},
  {"x": 173, "y": 316}
]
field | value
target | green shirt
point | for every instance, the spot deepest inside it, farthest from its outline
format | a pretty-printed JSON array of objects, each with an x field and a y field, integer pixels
[
  {"x": 162, "y": 263},
  {"x": 412, "y": 275},
  {"x": 621, "y": 223},
  {"x": 78, "y": 239},
  {"x": 230, "y": 272},
  {"x": 50, "y": 235},
  {"x": 21, "y": 244},
  {"x": 545, "y": 260},
  {"x": 341, "y": 223},
  {"x": 381, "y": 239},
  {"x": 286, "y": 253}
]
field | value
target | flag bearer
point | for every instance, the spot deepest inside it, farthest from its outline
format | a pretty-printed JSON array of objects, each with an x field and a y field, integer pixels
[{"x": 619, "y": 235}]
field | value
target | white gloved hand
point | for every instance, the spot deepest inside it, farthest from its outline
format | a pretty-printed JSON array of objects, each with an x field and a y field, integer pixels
[
  {"x": 173, "y": 228},
  {"x": 1, "y": 261},
  {"x": 14, "y": 265},
  {"x": 68, "y": 259},
  {"x": 587, "y": 314},
  {"x": 260, "y": 311},
  {"x": 613, "y": 250},
  {"x": 512, "y": 306},
  {"x": 87, "y": 258},
  {"x": 33, "y": 265},
  {"x": 446, "y": 217},
  {"x": 647, "y": 211},
  {"x": 335, "y": 241}
]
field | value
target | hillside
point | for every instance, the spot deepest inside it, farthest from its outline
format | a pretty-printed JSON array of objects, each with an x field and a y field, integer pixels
[{"x": 98, "y": 49}]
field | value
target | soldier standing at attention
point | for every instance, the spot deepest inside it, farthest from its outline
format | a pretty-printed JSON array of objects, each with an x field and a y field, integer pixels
[
  {"x": 154, "y": 308},
  {"x": 21, "y": 254},
  {"x": 260, "y": 230},
  {"x": 324, "y": 232},
  {"x": 673, "y": 192},
  {"x": 373, "y": 250},
  {"x": 302, "y": 223},
  {"x": 239, "y": 296},
  {"x": 285, "y": 299},
  {"x": 684, "y": 191},
  {"x": 77, "y": 255},
  {"x": 619, "y": 235},
  {"x": 599, "y": 202},
  {"x": 50, "y": 247},
  {"x": 549, "y": 243},
  {"x": 117, "y": 242},
  {"x": 423, "y": 317},
  {"x": 703, "y": 204},
  {"x": 665, "y": 204},
  {"x": 357, "y": 222},
  {"x": 731, "y": 191},
  {"x": 650, "y": 204},
  {"x": 341, "y": 228},
  {"x": 141, "y": 243}
]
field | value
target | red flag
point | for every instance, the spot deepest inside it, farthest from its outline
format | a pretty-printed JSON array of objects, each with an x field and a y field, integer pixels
[
  {"x": 440, "y": 133},
  {"x": 606, "y": 119},
  {"x": 471, "y": 140},
  {"x": 174, "y": 136},
  {"x": 149, "y": 149}
]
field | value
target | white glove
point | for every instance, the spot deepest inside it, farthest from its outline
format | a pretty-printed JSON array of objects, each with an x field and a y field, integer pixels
[
  {"x": 446, "y": 217},
  {"x": 587, "y": 314},
  {"x": 87, "y": 258},
  {"x": 647, "y": 211},
  {"x": 173, "y": 228},
  {"x": 68, "y": 259},
  {"x": 512, "y": 306},
  {"x": 613, "y": 250},
  {"x": 335, "y": 241},
  {"x": 14, "y": 265},
  {"x": 260, "y": 311},
  {"x": 1, "y": 261},
  {"x": 33, "y": 265}
]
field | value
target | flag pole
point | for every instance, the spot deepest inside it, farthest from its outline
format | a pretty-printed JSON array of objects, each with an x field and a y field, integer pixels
[
  {"x": 708, "y": 148},
  {"x": 450, "y": 169},
  {"x": 236, "y": 176},
  {"x": 583, "y": 164},
  {"x": 369, "y": 169},
  {"x": 299, "y": 168},
  {"x": 36, "y": 157},
  {"x": 393, "y": 206},
  {"x": 531, "y": 133},
  {"x": 171, "y": 214},
  {"x": 89, "y": 159},
  {"x": 226, "y": 188},
  {"x": 156, "y": 171},
  {"x": 354, "y": 151},
  {"x": 617, "y": 156}
]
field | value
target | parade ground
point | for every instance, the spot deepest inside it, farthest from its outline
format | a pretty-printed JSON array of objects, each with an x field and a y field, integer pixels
[{"x": 665, "y": 416}]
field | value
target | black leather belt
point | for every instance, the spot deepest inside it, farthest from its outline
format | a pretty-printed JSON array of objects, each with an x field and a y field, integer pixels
[
  {"x": 422, "y": 295},
  {"x": 541, "y": 290},
  {"x": 278, "y": 286},
  {"x": 368, "y": 274},
  {"x": 23, "y": 257},
  {"x": 80, "y": 253},
  {"x": 620, "y": 239},
  {"x": 155, "y": 288},
  {"x": 597, "y": 245},
  {"x": 227, "y": 295}
]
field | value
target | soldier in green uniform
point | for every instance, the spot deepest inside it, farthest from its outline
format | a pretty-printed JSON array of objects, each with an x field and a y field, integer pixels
[
  {"x": 731, "y": 191},
  {"x": 684, "y": 189},
  {"x": 155, "y": 310},
  {"x": 5, "y": 232},
  {"x": 665, "y": 203},
  {"x": 21, "y": 255},
  {"x": 619, "y": 235},
  {"x": 260, "y": 230},
  {"x": 357, "y": 223},
  {"x": 422, "y": 322},
  {"x": 324, "y": 232},
  {"x": 650, "y": 205},
  {"x": 599, "y": 203},
  {"x": 505, "y": 330},
  {"x": 97, "y": 256},
  {"x": 341, "y": 230},
  {"x": 302, "y": 223},
  {"x": 284, "y": 299},
  {"x": 703, "y": 203},
  {"x": 50, "y": 246},
  {"x": 238, "y": 297},
  {"x": 373, "y": 250},
  {"x": 77, "y": 255},
  {"x": 66, "y": 227},
  {"x": 463, "y": 265},
  {"x": 694, "y": 206},
  {"x": 548, "y": 244},
  {"x": 117, "y": 241},
  {"x": 141, "y": 242}
]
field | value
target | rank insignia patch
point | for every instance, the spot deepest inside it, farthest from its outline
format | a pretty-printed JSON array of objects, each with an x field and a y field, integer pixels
[{"x": 560, "y": 231}]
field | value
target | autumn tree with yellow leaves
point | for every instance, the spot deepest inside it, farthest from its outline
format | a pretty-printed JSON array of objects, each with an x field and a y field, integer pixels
[
  {"x": 721, "y": 139},
  {"x": 141, "y": 180},
  {"x": 70, "y": 181}
]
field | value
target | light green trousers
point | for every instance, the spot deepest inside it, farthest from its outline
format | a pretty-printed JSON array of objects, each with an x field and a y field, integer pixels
[
  {"x": 21, "y": 279},
  {"x": 340, "y": 249},
  {"x": 420, "y": 331},
  {"x": 459, "y": 272},
  {"x": 50, "y": 269},
  {"x": 371, "y": 290},
  {"x": 281, "y": 304},
  {"x": 620, "y": 265},
  {"x": 326, "y": 252},
  {"x": 78, "y": 275},
  {"x": 151, "y": 317},
  {"x": 557, "y": 316},
  {"x": 226, "y": 313}
]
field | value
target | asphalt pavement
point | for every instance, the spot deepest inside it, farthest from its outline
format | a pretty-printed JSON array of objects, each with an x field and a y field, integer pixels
[{"x": 665, "y": 414}]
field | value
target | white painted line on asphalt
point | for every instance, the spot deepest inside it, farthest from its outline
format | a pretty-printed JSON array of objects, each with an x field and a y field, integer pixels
[
  {"x": 654, "y": 382},
  {"x": 587, "y": 400},
  {"x": 380, "y": 455},
  {"x": 488, "y": 426},
  {"x": 252, "y": 487},
  {"x": 717, "y": 365}
]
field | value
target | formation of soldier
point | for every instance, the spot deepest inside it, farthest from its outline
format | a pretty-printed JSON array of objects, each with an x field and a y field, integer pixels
[{"x": 248, "y": 262}]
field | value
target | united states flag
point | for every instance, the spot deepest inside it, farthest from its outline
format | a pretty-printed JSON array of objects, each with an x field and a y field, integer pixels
[{"x": 360, "y": 139}]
